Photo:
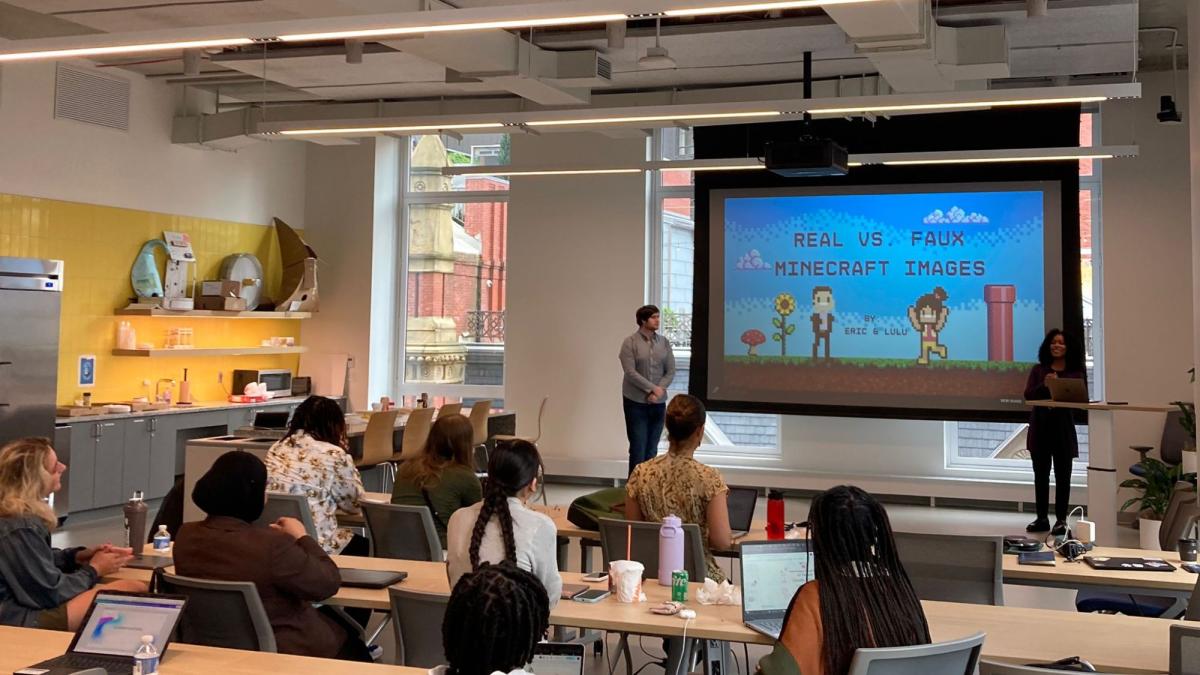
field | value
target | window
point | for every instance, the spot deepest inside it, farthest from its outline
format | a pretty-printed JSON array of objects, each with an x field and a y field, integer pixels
[
  {"x": 455, "y": 276},
  {"x": 673, "y": 234},
  {"x": 1002, "y": 446}
]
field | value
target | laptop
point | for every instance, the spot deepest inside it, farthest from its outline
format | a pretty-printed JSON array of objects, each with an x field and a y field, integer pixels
[
  {"x": 556, "y": 658},
  {"x": 741, "y": 503},
  {"x": 1067, "y": 389},
  {"x": 772, "y": 572},
  {"x": 113, "y": 629},
  {"x": 374, "y": 579},
  {"x": 1129, "y": 564}
]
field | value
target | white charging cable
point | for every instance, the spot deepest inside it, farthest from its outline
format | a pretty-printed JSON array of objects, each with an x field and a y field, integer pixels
[{"x": 684, "y": 653}]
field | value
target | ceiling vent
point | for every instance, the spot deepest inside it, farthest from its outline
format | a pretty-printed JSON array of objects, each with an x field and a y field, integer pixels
[{"x": 87, "y": 96}]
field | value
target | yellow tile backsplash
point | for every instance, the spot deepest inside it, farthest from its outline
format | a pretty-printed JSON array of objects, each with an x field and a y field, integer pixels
[{"x": 97, "y": 245}]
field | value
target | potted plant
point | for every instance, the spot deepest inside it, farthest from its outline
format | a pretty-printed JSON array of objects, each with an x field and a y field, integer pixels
[{"x": 1156, "y": 485}]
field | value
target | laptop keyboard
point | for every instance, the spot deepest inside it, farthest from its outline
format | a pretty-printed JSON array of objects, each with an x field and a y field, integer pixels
[
  {"x": 111, "y": 664},
  {"x": 773, "y": 626}
]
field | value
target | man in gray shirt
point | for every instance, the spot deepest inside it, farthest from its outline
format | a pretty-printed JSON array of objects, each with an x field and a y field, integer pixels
[{"x": 649, "y": 367}]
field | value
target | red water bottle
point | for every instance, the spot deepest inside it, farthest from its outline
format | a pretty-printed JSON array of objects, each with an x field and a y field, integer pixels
[{"x": 774, "y": 514}]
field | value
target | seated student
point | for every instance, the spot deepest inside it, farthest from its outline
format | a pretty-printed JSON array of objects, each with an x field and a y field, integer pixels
[
  {"x": 312, "y": 460},
  {"x": 40, "y": 586},
  {"x": 502, "y": 527},
  {"x": 286, "y": 565},
  {"x": 862, "y": 596},
  {"x": 493, "y": 620},
  {"x": 675, "y": 483},
  {"x": 441, "y": 477}
]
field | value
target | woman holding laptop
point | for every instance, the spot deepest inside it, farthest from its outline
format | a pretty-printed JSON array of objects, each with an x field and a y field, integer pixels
[{"x": 1051, "y": 439}]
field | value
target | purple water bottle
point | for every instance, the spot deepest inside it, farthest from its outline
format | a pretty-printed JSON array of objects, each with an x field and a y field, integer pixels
[{"x": 670, "y": 548}]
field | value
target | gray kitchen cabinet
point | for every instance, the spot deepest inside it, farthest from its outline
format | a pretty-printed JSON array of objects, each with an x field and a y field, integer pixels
[
  {"x": 162, "y": 431},
  {"x": 136, "y": 471},
  {"x": 108, "y": 477},
  {"x": 82, "y": 467}
]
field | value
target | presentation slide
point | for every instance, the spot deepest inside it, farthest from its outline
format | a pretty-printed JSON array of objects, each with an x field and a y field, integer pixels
[{"x": 909, "y": 297}]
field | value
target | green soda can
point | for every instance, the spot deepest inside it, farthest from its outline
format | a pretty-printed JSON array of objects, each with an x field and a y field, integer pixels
[{"x": 679, "y": 585}]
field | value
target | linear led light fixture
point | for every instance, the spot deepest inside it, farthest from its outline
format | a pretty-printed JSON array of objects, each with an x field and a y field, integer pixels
[
  {"x": 652, "y": 118},
  {"x": 116, "y": 50},
  {"x": 957, "y": 105},
  {"x": 734, "y": 164},
  {"x": 1060, "y": 154},
  {"x": 449, "y": 25},
  {"x": 351, "y": 131}
]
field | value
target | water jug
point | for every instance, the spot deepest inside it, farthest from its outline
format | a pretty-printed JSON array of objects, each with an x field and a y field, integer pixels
[{"x": 670, "y": 548}]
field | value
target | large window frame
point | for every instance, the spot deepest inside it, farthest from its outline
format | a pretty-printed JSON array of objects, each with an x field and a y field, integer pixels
[
  {"x": 1090, "y": 183},
  {"x": 408, "y": 199},
  {"x": 717, "y": 444}
]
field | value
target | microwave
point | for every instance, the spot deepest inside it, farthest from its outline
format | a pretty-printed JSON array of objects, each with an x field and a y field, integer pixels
[{"x": 278, "y": 381}]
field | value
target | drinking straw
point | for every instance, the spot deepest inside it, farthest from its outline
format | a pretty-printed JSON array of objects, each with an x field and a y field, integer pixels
[{"x": 628, "y": 541}]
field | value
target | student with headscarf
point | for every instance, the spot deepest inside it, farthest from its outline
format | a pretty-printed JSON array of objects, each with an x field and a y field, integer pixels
[{"x": 288, "y": 567}]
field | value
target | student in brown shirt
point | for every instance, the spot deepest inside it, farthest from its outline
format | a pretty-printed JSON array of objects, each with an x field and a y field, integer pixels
[
  {"x": 288, "y": 567},
  {"x": 861, "y": 597}
]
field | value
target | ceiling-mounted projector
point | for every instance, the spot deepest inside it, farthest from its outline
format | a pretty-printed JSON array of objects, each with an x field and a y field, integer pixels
[{"x": 806, "y": 157}]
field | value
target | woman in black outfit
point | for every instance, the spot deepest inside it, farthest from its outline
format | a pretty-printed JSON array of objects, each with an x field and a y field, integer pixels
[{"x": 1052, "y": 439}]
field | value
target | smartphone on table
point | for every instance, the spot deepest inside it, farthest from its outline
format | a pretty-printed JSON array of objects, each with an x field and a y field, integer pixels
[
  {"x": 595, "y": 577},
  {"x": 593, "y": 595}
]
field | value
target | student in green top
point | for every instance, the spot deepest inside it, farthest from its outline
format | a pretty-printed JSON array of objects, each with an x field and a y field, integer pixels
[{"x": 441, "y": 476}]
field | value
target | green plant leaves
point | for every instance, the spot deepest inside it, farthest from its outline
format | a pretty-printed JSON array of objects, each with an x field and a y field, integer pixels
[
  {"x": 775, "y": 337},
  {"x": 791, "y": 329},
  {"x": 778, "y": 323}
]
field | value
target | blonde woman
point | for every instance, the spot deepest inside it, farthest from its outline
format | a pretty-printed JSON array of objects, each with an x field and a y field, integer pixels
[{"x": 40, "y": 586}]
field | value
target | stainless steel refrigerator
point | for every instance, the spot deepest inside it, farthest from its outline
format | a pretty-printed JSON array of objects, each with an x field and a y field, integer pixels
[{"x": 30, "y": 306}]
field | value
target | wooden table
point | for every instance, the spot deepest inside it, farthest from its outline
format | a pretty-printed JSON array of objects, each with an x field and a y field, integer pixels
[
  {"x": 22, "y": 647},
  {"x": 1111, "y": 642}
]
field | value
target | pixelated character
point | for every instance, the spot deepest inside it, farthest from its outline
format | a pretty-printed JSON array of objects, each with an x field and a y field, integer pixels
[
  {"x": 822, "y": 318},
  {"x": 928, "y": 318}
]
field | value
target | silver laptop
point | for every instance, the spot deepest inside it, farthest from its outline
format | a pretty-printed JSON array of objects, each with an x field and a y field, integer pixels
[
  {"x": 772, "y": 572},
  {"x": 741, "y": 503},
  {"x": 556, "y": 658},
  {"x": 113, "y": 629},
  {"x": 1067, "y": 389}
]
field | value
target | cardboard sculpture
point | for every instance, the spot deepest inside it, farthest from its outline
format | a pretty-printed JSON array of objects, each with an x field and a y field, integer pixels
[{"x": 299, "y": 288}]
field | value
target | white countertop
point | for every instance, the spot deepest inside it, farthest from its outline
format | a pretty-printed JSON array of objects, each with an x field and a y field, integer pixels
[{"x": 206, "y": 406}]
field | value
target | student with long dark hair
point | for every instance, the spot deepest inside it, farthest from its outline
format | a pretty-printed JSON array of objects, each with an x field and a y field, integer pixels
[
  {"x": 441, "y": 476},
  {"x": 677, "y": 484},
  {"x": 861, "y": 597},
  {"x": 493, "y": 620},
  {"x": 313, "y": 460},
  {"x": 1051, "y": 439},
  {"x": 502, "y": 527}
]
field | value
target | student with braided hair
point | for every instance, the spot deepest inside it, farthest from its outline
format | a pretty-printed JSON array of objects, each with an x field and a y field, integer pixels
[
  {"x": 861, "y": 597},
  {"x": 493, "y": 620},
  {"x": 502, "y": 527}
]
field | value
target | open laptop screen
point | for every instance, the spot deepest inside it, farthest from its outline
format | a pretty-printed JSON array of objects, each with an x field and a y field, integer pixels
[
  {"x": 556, "y": 658},
  {"x": 116, "y": 623},
  {"x": 772, "y": 573}
]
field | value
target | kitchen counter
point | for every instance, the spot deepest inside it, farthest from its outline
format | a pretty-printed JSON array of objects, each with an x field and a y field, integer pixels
[{"x": 175, "y": 410}]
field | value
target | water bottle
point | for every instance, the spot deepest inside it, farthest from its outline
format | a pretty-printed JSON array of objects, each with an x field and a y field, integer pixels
[
  {"x": 145, "y": 659},
  {"x": 774, "y": 514},
  {"x": 162, "y": 539},
  {"x": 670, "y": 549}
]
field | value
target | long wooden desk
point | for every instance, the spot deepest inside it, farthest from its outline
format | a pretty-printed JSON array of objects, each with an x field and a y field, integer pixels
[
  {"x": 1111, "y": 642},
  {"x": 22, "y": 647}
]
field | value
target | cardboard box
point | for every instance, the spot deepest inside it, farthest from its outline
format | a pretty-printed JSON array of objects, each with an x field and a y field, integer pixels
[
  {"x": 221, "y": 289},
  {"x": 221, "y": 304}
]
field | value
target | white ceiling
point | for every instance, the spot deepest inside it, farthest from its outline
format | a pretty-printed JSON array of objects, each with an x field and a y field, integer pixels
[{"x": 1079, "y": 38}]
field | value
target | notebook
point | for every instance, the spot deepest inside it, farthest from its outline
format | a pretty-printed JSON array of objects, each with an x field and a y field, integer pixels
[
  {"x": 1037, "y": 558},
  {"x": 571, "y": 590},
  {"x": 1129, "y": 564},
  {"x": 772, "y": 572},
  {"x": 741, "y": 503},
  {"x": 556, "y": 658},
  {"x": 113, "y": 629},
  {"x": 1067, "y": 389}
]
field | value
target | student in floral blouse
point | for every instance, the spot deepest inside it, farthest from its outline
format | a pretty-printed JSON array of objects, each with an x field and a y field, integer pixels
[{"x": 312, "y": 460}]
